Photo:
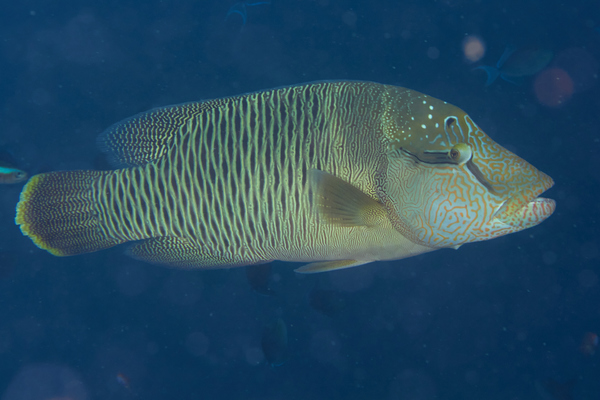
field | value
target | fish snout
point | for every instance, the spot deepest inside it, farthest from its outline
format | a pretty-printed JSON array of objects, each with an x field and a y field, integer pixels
[{"x": 525, "y": 209}]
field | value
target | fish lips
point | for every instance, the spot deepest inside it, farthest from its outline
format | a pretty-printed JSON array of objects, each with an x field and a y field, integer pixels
[{"x": 524, "y": 209}]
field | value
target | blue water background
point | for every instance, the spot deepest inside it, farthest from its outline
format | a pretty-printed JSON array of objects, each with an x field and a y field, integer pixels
[{"x": 484, "y": 322}]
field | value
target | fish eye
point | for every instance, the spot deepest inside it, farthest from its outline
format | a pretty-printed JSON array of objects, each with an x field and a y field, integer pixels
[
  {"x": 460, "y": 153},
  {"x": 450, "y": 121},
  {"x": 19, "y": 175}
]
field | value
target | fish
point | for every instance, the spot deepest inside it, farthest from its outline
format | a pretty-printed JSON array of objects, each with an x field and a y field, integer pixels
[
  {"x": 514, "y": 64},
  {"x": 274, "y": 343},
  {"x": 9, "y": 174},
  {"x": 123, "y": 380},
  {"x": 240, "y": 9},
  {"x": 333, "y": 174},
  {"x": 328, "y": 302},
  {"x": 259, "y": 276}
]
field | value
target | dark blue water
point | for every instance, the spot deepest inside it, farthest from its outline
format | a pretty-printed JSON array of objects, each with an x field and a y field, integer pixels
[{"x": 485, "y": 322}]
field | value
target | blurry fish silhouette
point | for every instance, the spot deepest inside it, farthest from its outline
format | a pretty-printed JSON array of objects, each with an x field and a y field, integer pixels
[
  {"x": 274, "y": 342},
  {"x": 328, "y": 302},
  {"x": 514, "y": 65},
  {"x": 240, "y": 9},
  {"x": 258, "y": 277},
  {"x": 8, "y": 172},
  {"x": 551, "y": 389},
  {"x": 589, "y": 344},
  {"x": 123, "y": 380}
]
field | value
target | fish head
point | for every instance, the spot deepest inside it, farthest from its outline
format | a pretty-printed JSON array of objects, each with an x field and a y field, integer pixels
[
  {"x": 12, "y": 175},
  {"x": 446, "y": 182}
]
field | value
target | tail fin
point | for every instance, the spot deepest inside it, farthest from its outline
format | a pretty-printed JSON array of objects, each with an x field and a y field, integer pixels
[
  {"x": 492, "y": 73},
  {"x": 58, "y": 212}
]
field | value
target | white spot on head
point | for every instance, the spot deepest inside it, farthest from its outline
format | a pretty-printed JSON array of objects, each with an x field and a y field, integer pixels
[
  {"x": 423, "y": 126},
  {"x": 413, "y": 118},
  {"x": 437, "y": 125},
  {"x": 431, "y": 107},
  {"x": 430, "y": 116},
  {"x": 424, "y": 102}
]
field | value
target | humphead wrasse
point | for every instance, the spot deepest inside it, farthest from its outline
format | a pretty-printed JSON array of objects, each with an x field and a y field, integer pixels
[{"x": 335, "y": 174}]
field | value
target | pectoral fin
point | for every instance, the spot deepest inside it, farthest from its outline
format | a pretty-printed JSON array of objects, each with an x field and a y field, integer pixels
[
  {"x": 340, "y": 203},
  {"x": 324, "y": 266}
]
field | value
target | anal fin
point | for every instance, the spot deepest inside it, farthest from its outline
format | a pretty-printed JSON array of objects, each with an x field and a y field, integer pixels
[
  {"x": 325, "y": 266},
  {"x": 177, "y": 252}
]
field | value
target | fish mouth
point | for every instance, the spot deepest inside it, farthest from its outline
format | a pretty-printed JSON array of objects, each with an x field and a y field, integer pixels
[{"x": 525, "y": 208}]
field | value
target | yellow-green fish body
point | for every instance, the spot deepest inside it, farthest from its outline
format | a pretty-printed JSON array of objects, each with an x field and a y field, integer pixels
[{"x": 337, "y": 174}]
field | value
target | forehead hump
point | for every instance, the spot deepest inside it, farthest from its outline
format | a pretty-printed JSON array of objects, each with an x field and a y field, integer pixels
[{"x": 414, "y": 119}]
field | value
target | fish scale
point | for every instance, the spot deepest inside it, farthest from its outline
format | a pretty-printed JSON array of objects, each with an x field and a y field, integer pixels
[{"x": 336, "y": 174}]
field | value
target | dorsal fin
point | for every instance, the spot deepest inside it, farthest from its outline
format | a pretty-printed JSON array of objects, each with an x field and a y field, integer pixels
[{"x": 146, "y": 137}]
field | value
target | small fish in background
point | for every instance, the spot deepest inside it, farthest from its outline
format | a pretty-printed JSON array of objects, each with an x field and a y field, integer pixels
[
  {"x": 328, "y": 302},
  {"x": 551, "y": 389},
  {"x": 258, "y": 277},
  {"x": 274, "y": 342},
  {"x": 589, "y": 344},
  {"x": 8, "y": 172},
  {"x": 123, "y": 380},
  {"x": 515, "y": 65},
  {"x": 240, "y": 9}
]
